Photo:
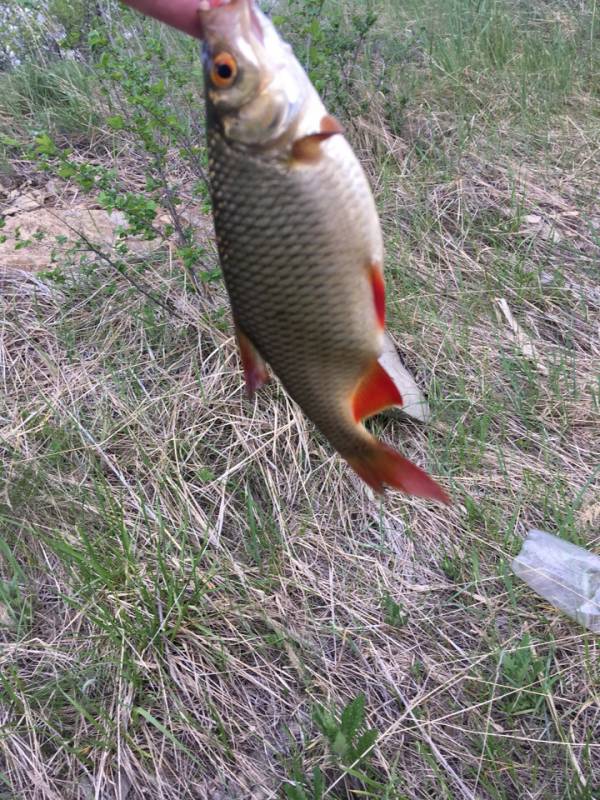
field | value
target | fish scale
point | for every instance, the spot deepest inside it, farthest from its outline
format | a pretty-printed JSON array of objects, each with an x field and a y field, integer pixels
[
  {"x": 280, "y": 256},
  {"x": 299, "y": 241}
]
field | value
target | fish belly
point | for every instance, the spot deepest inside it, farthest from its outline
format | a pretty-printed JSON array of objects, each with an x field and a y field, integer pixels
[{"x": 296, "y": 244}]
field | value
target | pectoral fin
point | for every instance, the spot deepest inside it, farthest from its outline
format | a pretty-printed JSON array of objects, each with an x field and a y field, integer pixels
[
  {"x": 255, "y": 369},
  {"x": 308, "y": 148}
]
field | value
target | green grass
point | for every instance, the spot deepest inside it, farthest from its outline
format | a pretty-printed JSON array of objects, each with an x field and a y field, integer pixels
[
  {"x": 492, "y": 58},
  {"x": 196, "y": 596},
  {"x": 61, "y": 97}
]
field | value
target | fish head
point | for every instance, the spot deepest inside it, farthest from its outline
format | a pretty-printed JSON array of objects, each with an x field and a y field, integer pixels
[{"x": 255, "y": 88}]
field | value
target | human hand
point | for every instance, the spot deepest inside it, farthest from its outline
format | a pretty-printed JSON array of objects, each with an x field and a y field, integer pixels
[{"x": 181, "y": 14}]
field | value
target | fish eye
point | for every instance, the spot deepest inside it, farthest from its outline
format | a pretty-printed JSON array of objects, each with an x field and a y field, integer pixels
[{"x": 224, "y": 70}]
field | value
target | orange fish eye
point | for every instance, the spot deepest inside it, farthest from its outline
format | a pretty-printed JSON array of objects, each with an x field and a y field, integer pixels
[{"x": 224, "y": 70}]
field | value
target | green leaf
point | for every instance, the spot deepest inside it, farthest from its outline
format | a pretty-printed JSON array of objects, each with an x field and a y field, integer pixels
[
  {"x": 158, "y": 89},
  {"x": 138, "y": 711},
  {"x": 365, "y": 742},
  {"x": 368, "y": 782},
  {"x": 318, "y": 784},
  {"x": 294, "y": 792},
  {"x": 45, "y": 146},
  {"x": 8, "y": 141},
  {"x": 205, "y": 475},
  {"x": 325, "y": 722},
  {"x": 97, "y": 39},
  {"x": 66, "y": 171},
  {"x": 117, "y": 122},
  {"x": 339, "y": 744},
  {"x": 394, "y": 613},
  {"x": 353, "y": 716}
]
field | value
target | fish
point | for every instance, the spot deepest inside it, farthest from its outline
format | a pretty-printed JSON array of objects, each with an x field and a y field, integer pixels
[{"x": 299, "y": 241}]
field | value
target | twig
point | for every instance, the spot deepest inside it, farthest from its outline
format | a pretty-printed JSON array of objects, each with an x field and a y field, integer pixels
[{"x": 138, "y": 286}]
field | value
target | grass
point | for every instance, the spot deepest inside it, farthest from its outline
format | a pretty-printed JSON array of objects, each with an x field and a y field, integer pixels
[
  {"x": 194, "y": 590},
  {"x": 35, "y": 97}
]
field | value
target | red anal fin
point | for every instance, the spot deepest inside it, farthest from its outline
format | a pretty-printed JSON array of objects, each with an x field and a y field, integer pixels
[
  {"x": 375, "y": 392},
  {"x": 308, "y": 148},
  {"x": 255, "y": 369},
  {"x": 378, "y": 286},
  {"x": 382, "y": 465}
]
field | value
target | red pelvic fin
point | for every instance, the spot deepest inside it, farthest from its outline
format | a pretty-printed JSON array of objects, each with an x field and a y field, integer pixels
[
  {"x": 383, "y": 465},
  {"x": 375, "y": 392},
  {"x": 308, "y": 148},
  {"x": 378, "y": 286},
  {"x": 255, "y": 369}
]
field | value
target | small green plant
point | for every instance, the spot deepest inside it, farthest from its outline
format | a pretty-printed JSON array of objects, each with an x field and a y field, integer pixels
[
  {"x": 350, "y": 743},
  {"x": 394, "y": 613},
  {"x": 452, "y": 565},
  {"x": 150, "y": 105},
  {"x": 330, "y": 44},
  {"x": 312, "y": 789},
  {"x": 529, "y": 675},
  {"x": 348, "y": 740},
  {"x": 262, "y": 540},
  {"x": 15, "y": 605}
]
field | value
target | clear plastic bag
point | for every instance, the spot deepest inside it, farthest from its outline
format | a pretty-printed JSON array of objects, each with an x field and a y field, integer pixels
[{"x": 565, "y": 575}]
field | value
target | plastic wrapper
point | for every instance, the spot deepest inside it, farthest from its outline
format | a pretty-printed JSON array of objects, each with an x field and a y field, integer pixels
[{"x": 565, "y": 575}]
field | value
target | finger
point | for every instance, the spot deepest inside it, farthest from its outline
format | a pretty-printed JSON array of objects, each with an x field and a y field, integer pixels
[{"x": 181, "y": 14}]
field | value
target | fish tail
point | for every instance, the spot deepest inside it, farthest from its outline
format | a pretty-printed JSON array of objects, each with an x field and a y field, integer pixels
[{"x": 377, "y": 464}]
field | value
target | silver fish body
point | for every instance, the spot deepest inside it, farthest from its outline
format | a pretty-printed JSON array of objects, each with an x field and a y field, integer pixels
[{"x": 299, "y": 241}]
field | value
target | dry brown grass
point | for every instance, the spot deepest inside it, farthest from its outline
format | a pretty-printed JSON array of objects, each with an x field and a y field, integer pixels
[
  {"x": 255, "y": 564},
  {"x": 185, "y": 574}
]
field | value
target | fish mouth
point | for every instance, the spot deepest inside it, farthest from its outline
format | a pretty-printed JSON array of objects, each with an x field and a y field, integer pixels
[
  {"x": 210, "y": 5},
  {"x": 212, "y": 21},
  {"x": 213, "y": 5}
]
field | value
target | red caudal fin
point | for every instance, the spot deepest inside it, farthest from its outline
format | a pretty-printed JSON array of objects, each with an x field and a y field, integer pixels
[
  {"x": 374, "y": 393},
  {"x": 255, "y": 369},
  {"x": 381, "y": 465}
]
